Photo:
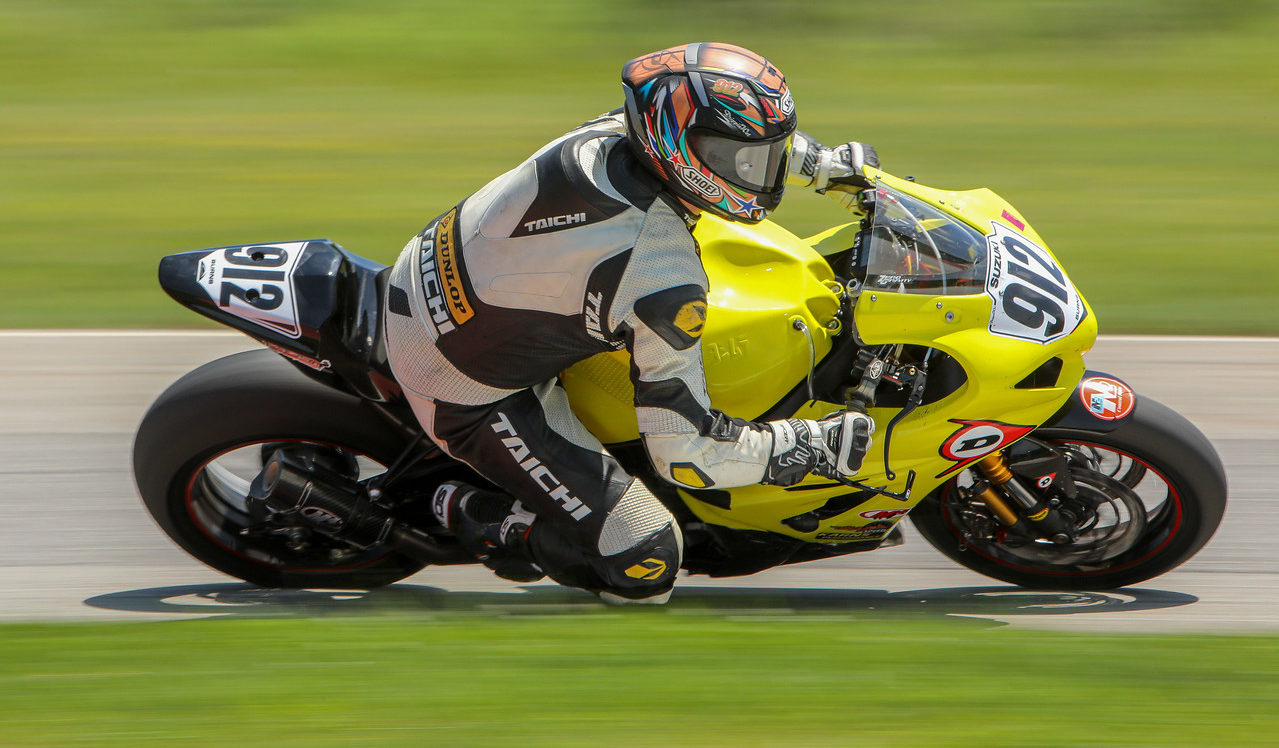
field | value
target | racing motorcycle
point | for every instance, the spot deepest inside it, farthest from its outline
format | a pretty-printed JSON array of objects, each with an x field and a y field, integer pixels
[{"x": 941, "y": 313}]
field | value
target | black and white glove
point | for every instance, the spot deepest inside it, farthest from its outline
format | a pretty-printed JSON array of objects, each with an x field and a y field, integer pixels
[
  {"x": 837, "y": 172},
  {"x": 832, "y": 447},
  {"x": 842, "y": 168}
]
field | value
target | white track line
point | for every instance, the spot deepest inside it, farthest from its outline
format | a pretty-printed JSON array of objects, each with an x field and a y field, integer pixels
[
  {"x": 116, "y": 333},
  {"x": 1190, "y": 338},
  {"x": 227, "y": 333}
]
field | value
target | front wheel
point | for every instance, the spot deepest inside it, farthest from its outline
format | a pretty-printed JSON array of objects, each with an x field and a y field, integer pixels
[{"x": 1150, "y": 494}]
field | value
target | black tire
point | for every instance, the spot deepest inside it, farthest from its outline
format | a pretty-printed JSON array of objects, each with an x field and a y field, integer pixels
[
  {"x": 244, "y": 401},
  {"x": 1163, "y": 447}
]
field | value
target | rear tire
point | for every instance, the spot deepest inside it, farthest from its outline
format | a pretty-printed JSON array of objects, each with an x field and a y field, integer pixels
[
  {"x": 235, "y": 405},
  {"x": 1157, "y": 454}
]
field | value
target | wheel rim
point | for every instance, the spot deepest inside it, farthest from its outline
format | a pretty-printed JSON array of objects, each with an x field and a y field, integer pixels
[
  {"x": 1117, "y": 465},
  {"x": 217, "y": 501},
  {"x": 1138, "y": 511}
]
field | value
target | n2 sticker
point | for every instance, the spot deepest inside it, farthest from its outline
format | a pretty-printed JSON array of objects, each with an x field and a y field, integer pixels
[
  {"x": 1106, "y": 398},
  {"x": 1033, "y": 298},
  {"x": 255, "y": 282}
]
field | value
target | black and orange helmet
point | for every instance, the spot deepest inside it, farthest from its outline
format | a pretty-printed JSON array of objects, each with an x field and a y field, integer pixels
[{"x": 714, "y": 123}]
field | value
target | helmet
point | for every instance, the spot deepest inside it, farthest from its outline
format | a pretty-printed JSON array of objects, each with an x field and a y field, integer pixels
[{"x": 714, "y": 123}]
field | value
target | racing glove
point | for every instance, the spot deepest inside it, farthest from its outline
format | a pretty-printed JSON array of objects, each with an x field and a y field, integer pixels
[
  {"x": 832, "y": 447},
  {"x": 838, "y": 169}
]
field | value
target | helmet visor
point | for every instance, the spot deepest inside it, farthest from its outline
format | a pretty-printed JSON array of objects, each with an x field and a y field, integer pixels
[{"x": 755, "y": 165}]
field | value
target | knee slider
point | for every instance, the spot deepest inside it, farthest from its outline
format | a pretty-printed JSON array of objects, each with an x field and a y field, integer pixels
[
  {"x": 636, "y": 556},
  {"x": 647, "y": 569},
  {"x": 640, "y": 544},
  {"x": 642, "y": 572}
]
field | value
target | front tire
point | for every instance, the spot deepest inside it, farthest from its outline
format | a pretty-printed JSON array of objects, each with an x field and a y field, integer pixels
[
  {"x": 204, "y": 438},
  {"x": 1161, "y": 474}
]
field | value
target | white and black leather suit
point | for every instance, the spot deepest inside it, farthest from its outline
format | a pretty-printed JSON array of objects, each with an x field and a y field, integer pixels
[{"x": 574, "y": 252}]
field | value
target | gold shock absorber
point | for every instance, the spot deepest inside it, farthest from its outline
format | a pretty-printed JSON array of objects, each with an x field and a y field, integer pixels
[
  {"x": 995, "y": 468},
  {"x": 996, "y": 471}
]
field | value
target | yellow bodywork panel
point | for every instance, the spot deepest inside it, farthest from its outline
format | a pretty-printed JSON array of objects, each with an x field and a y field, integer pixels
[{"x": 763, "y": 279}]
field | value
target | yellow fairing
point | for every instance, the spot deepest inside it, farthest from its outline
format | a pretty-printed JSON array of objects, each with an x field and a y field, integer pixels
[{"x": 762, "y": 278}]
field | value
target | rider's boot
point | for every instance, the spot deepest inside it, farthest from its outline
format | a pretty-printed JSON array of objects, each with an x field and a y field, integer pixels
[{"x": 491, "y": 525}]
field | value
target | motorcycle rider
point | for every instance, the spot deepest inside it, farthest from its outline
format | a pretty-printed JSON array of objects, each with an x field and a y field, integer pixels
[{"x": 587, "y": 247}]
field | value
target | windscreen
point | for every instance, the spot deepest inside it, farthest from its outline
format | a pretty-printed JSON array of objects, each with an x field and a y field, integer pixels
[{"x": 916, "y": 248}]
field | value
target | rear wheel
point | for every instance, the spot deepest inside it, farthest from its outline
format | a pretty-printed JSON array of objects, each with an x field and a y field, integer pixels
[
  {"x": 1150, "y": 494},
  {"x": 205, "y": 439}
]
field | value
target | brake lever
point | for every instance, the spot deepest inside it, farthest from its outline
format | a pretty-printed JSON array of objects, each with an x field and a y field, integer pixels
[
  {"x": 916, "y": 396},
  {"x": 903, "y": 496}
]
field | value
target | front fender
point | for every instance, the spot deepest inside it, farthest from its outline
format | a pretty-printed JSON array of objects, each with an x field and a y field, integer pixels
[{"x": 1100, "y": 402}]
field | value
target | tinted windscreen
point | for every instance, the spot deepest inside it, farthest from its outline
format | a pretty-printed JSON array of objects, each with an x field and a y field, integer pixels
[{"x": 916, "y": 248}]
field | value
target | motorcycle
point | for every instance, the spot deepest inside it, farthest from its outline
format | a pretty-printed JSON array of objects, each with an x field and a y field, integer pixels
[{"x": 942, "y": 313}]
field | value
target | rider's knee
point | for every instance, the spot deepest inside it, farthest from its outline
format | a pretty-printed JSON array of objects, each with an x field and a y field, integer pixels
[
  {"x": 644, "y": 573},
  {"x": 634, "y": 559},
  {"x": 640, "y": 546}
]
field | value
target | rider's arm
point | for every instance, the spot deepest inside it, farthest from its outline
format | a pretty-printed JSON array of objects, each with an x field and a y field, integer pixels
[{"x": 659, "y": 311}]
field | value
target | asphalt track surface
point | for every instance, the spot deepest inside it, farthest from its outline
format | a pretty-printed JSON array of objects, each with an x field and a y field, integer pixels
[{"x": 75, "y": 542}]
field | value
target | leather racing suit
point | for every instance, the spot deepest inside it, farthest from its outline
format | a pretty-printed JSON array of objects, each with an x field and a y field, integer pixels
[{"x": 576, "y": 251}]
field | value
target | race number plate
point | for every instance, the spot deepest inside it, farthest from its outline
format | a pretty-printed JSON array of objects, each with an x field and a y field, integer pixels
[
  {"x": 255, "y": 282},
  {"x": 1033, "y": 298}
]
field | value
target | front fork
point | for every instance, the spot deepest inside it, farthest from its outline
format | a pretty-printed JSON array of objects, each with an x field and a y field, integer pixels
[{"x": 1032, "y": 515}]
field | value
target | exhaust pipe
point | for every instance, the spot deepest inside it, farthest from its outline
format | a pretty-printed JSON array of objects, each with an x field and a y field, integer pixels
[{"x": 336, "y": 506}]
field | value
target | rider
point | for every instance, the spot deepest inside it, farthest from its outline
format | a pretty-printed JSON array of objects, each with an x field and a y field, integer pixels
[{"x": 587, "y": 247}]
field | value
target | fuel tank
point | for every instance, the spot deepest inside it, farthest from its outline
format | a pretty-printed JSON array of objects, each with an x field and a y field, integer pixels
[{"x": 771, "y": 314}]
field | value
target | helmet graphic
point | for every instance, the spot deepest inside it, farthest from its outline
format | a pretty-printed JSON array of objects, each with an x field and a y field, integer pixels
[{"x": 714, "y": 122}]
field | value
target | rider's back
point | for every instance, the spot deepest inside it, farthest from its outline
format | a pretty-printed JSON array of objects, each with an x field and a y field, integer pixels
[{"x": 535, "y": 271}]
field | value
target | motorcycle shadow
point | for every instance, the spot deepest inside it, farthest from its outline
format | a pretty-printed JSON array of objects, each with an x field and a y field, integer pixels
[{"x": 977, "y": 604}]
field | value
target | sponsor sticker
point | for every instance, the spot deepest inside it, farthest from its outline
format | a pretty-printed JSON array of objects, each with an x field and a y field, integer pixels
[
  {"x": 301, "y": 358},
  {"x": 459, "y": 306},
  {"x": 884, "y": 513},
  {"x": 446, "y": 300},
  {"x": 851, "y": 533},
  {"x": 439, "y": 502},
  {"x": 787, "y": 104},
  {"x": 649, "y": 568},
  {"x": 691, "y": 318},
  {"x": 322, "y": 516},
  {"x": 700, "y": 182},
  {"x": 537, "y": 471},
  {"x": 542, "y": 224},
  {"x": 1013, "y": 221},
  {"x": 591, "y": 314},
  {"x": 976, "y": 439},
  {"x": 1106, "y": 398},
  {"x": 732, "y": 122}
]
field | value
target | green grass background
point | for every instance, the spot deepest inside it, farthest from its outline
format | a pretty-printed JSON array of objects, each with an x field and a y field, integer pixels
[
  {"x": 665, "y": 677},
  {"x": 1138, "y": 135}
]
